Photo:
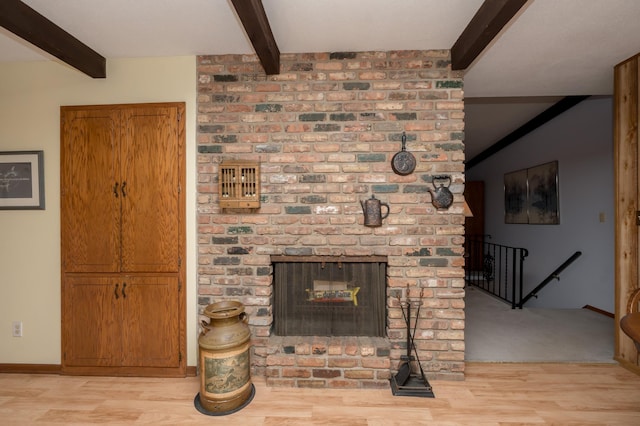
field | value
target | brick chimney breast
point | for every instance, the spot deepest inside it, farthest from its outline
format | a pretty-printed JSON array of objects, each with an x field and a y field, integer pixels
[{"x": 325, "y": 131}]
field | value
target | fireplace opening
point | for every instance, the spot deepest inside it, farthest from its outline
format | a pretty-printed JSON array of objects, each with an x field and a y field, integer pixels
[{"x": 328, "y": 296}]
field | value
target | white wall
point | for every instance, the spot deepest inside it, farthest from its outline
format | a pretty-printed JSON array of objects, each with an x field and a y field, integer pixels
[
  {"x": 31, "y": 94},
  {"x": 581, "y": 140}
]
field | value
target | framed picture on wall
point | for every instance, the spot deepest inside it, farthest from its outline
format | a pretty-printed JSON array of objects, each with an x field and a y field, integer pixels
[
  {"x": 531, "y": 195},
  {"x": 22, "y": 180},
  {"x": 515, "y": 197},
  {"x": 542, "y": 182}
]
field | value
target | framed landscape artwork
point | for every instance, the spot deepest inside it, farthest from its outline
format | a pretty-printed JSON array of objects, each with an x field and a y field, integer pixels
[
  {"x": 515, "y": 197},
  {"x": 531, "y": 195},
  {"x": 22, "y": 180}
]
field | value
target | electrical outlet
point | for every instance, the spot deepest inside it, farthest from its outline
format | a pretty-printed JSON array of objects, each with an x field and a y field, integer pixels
[{"x": 16, "y": 326}]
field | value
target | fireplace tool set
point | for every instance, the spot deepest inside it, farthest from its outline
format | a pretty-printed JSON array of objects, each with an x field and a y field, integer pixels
[{"x": 406, "y": 382}]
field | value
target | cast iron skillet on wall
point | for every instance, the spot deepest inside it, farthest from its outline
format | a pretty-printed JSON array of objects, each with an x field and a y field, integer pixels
[{"x": 403, "y": 163}]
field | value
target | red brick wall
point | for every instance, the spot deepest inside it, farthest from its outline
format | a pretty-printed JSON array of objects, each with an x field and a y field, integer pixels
[{"x": 325, "y": 131}]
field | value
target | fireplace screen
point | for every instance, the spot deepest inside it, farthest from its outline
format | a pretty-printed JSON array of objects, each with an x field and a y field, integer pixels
[{"x": 329, "y": 298}]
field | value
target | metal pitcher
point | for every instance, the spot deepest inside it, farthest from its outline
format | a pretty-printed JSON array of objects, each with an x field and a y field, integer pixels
[{"x": 372, "y": 209}]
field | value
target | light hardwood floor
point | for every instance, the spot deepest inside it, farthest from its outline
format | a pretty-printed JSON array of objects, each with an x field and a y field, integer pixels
[{"x": 492, "y": 394}]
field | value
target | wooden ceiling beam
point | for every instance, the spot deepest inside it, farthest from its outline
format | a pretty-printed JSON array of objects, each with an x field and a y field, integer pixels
[
  {"x": 31, "y": 26},
  {"x": 255, "y": 22},
  {"x": 544, "y": 117},
  {"x": 488, "y": 21}
]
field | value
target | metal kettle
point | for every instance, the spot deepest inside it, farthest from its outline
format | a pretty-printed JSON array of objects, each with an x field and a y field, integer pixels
[
  {"x": 441, "y": 196},
  {"x": 372, "y": 209}
]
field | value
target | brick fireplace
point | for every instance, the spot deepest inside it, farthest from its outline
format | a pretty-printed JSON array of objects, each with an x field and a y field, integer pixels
[
  {"x": 329, "y": 296},
  {"x": 324, "y": 131}
]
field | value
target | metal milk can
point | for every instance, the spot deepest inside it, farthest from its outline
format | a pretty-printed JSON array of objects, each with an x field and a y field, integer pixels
[{"x": 225, "y": 367}]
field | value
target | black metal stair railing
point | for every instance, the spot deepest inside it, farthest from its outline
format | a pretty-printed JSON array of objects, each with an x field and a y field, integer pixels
[
  {"x": 554, "y": 275},
  {"x": 495, "y": 268}
]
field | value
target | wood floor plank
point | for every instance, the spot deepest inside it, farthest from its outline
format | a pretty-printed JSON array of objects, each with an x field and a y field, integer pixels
[{"x": 492, "y": 394}]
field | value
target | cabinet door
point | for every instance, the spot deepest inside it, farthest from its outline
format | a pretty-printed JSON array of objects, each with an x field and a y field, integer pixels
[
  {"x": 151, "y": 159},
  {"x": 151, "y": 332},
  {"x": 92, "y": 321},
  {"x": 90, "y": 192}
]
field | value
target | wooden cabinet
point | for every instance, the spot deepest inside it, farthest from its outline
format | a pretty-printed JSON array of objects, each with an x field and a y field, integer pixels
[
  {"x": 122, "y": 223},
  {"x": 130, "y": 321},
  {"x": 120, "y": 190},
  {"x": 239, "y": 184}
]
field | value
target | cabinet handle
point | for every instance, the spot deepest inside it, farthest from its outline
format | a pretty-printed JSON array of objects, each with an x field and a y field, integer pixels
[
  {"x": 124, "y": 287},
  {"x": 124, "y": 184},
  {"x": 116, "y": 291},
  {"x": 115, "y": 190}
]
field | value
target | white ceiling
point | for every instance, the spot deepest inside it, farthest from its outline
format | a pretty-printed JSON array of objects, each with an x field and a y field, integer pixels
[{"x": 552, "y": 48}]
